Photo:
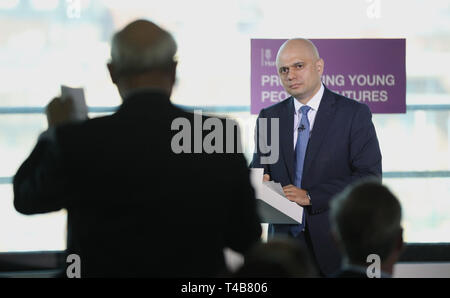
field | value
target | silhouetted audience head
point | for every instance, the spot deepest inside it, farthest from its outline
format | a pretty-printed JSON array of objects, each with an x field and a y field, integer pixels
[
  {"x": 143, "y": 56},
  {"x": 366, "y": 219},
  {"x": 279, "y": 257}
]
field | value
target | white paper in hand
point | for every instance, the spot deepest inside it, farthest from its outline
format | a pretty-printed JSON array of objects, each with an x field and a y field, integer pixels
[
  {"x": 77, "y": 94},
  {"x": 276, "y": 187},
  {"x": 272, "y": 193}
]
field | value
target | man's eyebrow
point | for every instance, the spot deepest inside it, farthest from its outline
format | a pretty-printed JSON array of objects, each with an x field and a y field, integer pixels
[
  {"x": 297, "y": 63},
  {"x": 293, "y": 64}
]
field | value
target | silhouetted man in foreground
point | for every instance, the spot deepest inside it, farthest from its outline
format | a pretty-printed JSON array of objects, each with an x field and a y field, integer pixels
[{"x": 135, "y": 207}]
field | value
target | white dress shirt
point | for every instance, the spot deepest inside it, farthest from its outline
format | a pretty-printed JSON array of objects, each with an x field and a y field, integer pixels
[{"x": 314, "y": 103}]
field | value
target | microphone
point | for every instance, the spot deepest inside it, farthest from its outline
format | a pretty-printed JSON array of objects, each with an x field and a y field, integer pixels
[{"x": 302, "y": 127}]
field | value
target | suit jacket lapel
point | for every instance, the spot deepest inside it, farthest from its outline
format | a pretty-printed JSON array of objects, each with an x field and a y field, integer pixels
[
  {"x": 322, "y": 122},
  {"x": 287, "y": 137}
]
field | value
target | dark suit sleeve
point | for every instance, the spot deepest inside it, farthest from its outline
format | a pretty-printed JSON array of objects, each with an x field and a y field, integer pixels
[
  {"x": 260, "y": 134},
  {"x": 364, "y": 159},
  {"x": 39, "y": 184},
  {"x": 243, "y": 227}
]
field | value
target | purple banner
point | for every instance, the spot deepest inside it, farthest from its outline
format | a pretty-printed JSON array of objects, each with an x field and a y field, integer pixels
[{"x": 371, "y": 71}]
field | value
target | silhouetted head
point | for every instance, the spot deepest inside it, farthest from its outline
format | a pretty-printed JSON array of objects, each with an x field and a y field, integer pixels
[
  {"x": 279, "y": 257},
  {"x": 366, "y": 219},
  {"x": 143, "y": 56}
]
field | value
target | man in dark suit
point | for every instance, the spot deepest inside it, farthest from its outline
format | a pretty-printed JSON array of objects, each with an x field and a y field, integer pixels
[
  {"x": 327, "y": 141},
  {"x": 137, "y": 208},
  {"x": 366, "y": 224}
]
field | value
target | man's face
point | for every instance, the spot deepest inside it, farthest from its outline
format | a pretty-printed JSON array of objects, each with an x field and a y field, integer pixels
[{"x": 299, "y": 71}]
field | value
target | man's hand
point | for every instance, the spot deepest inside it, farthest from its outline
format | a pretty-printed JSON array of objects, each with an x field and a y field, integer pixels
[
  {"x": 298, "y": 195},
  {"x": 60, "y": 111},
  {"x": 266, "y": 177}
]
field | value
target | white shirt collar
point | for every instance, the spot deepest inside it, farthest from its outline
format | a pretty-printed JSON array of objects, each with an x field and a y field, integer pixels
[{"x": 314, "y": 102}]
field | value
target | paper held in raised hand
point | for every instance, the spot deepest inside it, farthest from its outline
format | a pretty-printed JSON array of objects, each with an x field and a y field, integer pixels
[{"x": 77, "y": 94}]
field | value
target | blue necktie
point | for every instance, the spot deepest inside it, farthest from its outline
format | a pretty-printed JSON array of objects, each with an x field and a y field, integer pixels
[{"x": 300, "y": 150}]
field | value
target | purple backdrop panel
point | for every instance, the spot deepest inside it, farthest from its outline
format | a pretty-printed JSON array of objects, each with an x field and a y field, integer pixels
[{"x": 371, "y": 71}]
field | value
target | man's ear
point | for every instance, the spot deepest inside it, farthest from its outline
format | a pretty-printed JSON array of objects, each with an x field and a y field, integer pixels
[
  {"x": 319, "y": 66},
  {"x": 173, "y": 72},
  {"x": 400, "y": 242},
  {"x": 112, "y": 72}
]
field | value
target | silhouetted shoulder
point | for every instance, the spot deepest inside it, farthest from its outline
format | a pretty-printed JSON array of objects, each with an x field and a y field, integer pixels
[{"x": 276, "y": 108}]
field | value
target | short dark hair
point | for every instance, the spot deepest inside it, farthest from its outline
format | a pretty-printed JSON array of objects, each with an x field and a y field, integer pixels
[
  {"x": 131, "y": 57},
  {"x": 279, "y": 257}
]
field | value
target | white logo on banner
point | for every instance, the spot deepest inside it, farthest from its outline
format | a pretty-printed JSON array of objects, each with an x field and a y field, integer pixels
[{"x": 266, "y": 58}]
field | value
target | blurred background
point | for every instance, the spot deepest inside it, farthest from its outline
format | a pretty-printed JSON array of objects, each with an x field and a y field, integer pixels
[{"x": 46, "y": 43}]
